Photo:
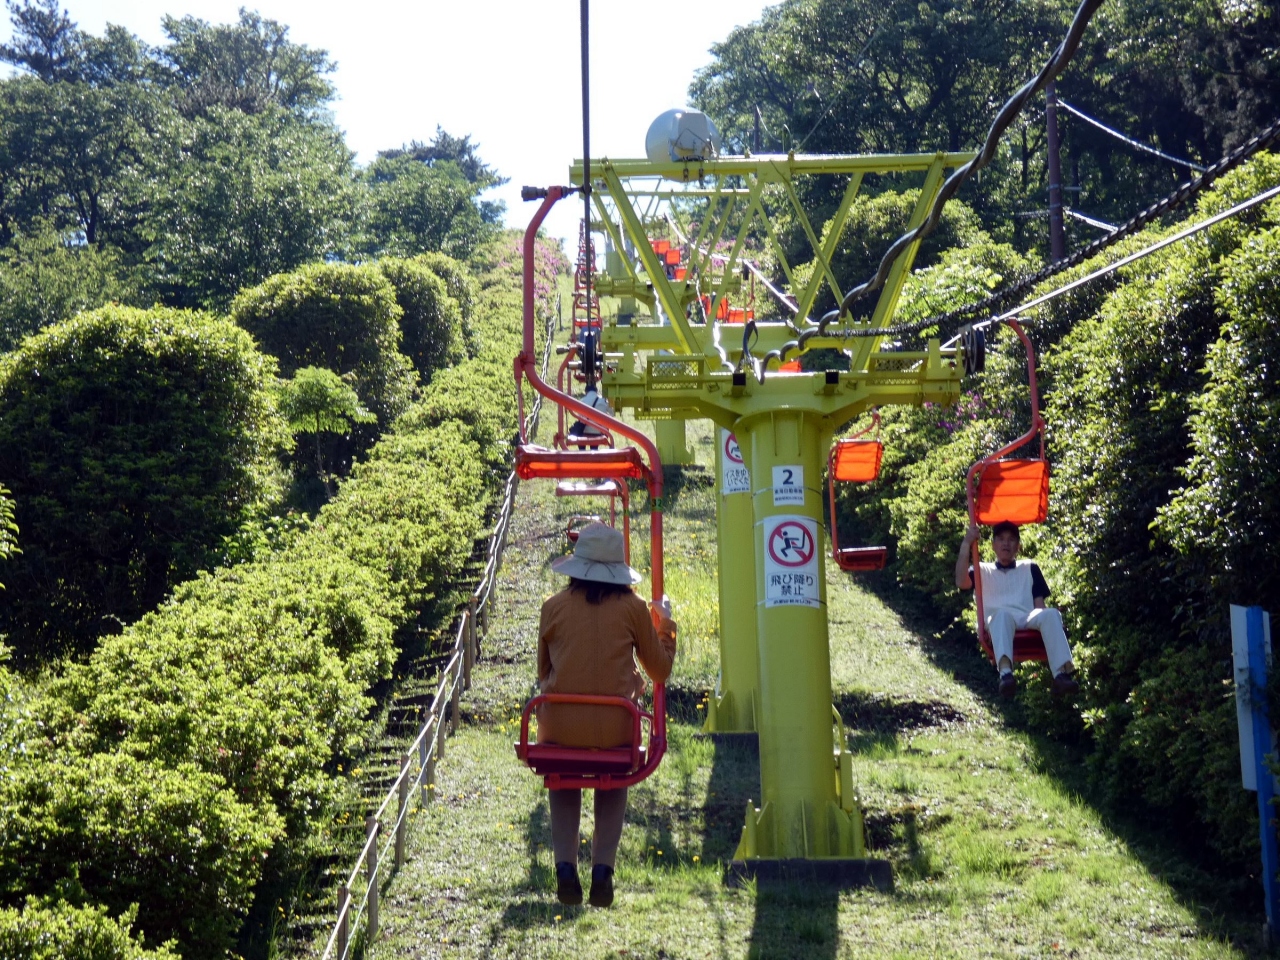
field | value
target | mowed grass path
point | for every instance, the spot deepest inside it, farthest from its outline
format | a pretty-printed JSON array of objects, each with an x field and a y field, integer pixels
[{"x": 992, "y": 856}]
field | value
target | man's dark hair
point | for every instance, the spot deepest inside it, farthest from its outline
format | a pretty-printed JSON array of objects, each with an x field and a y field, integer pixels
[
  {"x": 1006, "y": 526},
  {"x": 597, "y": 590}
]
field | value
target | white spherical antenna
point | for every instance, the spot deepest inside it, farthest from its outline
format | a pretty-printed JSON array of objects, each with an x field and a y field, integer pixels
[{"x": 682, "y": 134}]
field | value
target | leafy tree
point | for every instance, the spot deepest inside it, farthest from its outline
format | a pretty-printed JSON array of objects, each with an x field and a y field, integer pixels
[
  {"x": 74, "y": 154},
  {"x": 45, "y": 41},
  {"x": 249, "y": 66},
  {"x": 136, "y": 440},
  {"x": 464, "y": 154},
  {"x": 248, "y": 196},
  {"x": 317, "y": 401},
  {"x": 45, "y": 279},
  {"x": 340, "y": 317},
  {"x": 413, "y": 207}
]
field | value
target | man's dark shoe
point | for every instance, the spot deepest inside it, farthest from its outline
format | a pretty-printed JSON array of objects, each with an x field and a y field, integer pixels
[
  {"x": 1008, "y": 685},
  {"x": 568, "y": 886},
  {"x": 1065, "y": 685},
  {"x": 601, "y": 886}
]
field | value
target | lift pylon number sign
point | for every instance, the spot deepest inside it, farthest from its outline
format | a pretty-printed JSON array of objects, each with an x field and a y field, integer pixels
[
  {"x": 734, "y": 475},
  {"x": 791, "y": 562}
]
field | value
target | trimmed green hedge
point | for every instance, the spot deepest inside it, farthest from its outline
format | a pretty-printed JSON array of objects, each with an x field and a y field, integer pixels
[
  {"x": 135, "y": 440},
  {"x": 57, "y": 930},
  {"x": 165, "y": 769}
]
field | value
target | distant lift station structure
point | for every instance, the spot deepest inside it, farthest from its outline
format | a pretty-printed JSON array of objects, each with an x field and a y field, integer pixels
[{"x": 681, "y": 358}]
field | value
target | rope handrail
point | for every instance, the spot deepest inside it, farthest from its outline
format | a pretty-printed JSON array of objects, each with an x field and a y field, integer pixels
[{"x": 428, "y": 744}]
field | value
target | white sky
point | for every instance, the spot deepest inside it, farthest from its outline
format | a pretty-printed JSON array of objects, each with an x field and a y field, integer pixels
[{"x": 507, "y": 73}]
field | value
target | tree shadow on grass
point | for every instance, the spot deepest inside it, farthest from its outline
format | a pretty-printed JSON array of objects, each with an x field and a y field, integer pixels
[{"x": 1225, "y": 904}]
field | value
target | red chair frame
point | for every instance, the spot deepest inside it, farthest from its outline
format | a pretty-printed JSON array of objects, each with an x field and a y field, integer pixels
[
  {"x": 1028, "y": 646},
  {"x": 607, "y": 768},
  {"x": 853, "y": 559}
]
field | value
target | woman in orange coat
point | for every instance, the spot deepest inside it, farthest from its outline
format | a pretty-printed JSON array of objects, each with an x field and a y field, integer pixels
[{"x": 589, "y": 637}]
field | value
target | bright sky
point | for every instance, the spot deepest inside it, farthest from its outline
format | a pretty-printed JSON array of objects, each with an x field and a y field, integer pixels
[{"x": 507, "y": 73}]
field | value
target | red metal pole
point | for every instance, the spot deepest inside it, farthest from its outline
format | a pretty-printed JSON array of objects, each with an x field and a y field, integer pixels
[{"x": 526, "y": 367}]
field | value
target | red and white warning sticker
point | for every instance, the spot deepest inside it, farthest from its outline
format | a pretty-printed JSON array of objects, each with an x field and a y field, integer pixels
[{"x": 791, "y": 561}]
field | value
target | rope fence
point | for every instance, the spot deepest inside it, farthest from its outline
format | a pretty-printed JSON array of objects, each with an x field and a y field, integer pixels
[{"x": 359, "y": 895}]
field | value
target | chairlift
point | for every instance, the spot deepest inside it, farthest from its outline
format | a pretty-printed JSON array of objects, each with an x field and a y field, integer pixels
[
  {"x": 1016, "y": 489},
  {"x": 854, "y": 460},
  {"x": 578, "y": 471}
]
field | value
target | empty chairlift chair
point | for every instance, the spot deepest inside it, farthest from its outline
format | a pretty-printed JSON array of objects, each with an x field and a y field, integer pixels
[{"x": 855, "y": 459}]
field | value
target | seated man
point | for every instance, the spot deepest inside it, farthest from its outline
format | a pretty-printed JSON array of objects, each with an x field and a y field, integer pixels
[
  {"x": 1013, "y": 596},
  {"x": 580, "y": 429}
]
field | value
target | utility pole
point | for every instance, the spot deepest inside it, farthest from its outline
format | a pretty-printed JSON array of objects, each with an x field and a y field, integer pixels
[{"x": 1057, "y": 237}]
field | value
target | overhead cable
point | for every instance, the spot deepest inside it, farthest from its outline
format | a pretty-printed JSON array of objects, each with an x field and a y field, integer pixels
[
  {"x": 1125, "y": 261},
  {"x": 1185, "y": 192},
  {"x": 1008, "y": 113},
  {"x": 1136, "y": 144}
]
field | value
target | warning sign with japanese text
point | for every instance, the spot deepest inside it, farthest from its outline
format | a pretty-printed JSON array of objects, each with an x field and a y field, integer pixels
[
  {"x": 791, "y": 561},
  {"x": 736, "y": 479}
]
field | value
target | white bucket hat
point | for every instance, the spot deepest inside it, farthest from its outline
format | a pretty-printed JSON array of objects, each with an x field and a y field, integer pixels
[{"x": 599, "y": 555}]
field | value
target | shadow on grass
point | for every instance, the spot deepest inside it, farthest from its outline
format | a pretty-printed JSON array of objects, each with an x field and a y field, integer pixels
[
  {"x": 795, "y": 920},
  {"x": 1226, "y": 904}
]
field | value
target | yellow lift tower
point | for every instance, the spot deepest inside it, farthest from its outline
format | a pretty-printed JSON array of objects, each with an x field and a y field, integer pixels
[{"x": 681, "y": 362}]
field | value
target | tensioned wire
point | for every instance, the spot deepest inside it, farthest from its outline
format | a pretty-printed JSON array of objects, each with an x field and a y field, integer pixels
[{"x": 1125, "y": 261}]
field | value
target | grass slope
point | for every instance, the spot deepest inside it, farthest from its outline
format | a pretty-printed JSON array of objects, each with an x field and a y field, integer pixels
[{"x": 993, "y": 854}]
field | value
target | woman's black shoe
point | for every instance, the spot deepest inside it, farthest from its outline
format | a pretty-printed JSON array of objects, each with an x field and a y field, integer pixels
[
  {"x": 601, "y": 886},
  {"x": 568, "y": 887}
]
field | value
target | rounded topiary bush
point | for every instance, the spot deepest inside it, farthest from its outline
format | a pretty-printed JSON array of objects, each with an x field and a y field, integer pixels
[
  {"x": 134, "y": 441},
  {"x": 341, "y": 317},
  {"x": 430, "y": 319}
]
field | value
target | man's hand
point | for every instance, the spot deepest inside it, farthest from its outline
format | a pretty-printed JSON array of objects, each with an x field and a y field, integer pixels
[
  {"x": 661, "y": 607},
  {"x": 972, "y": 534}
]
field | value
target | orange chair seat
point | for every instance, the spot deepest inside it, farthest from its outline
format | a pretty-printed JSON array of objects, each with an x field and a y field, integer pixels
[
  {"x": 857, "y": 559},
  {"x": 1028, "y": 646},
  {"x": 1013, "y": 490},
  {"x": 534, "y": 462}
]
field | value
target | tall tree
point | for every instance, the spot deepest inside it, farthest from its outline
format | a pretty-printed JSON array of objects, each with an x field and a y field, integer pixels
[{"x": 248, "y": 66}]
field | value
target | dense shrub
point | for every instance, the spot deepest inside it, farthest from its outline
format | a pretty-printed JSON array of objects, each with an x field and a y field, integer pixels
[
  {"x": 461, "y": 286},
  {"x": 134, "y": 442},
  {"x": 337, "y": 316},
  {"x": 172, "y": 840},
  {"x": 52, "y": 929},
  {"x": 430, "y": 319},
  {"x": 167, "y": 768}
]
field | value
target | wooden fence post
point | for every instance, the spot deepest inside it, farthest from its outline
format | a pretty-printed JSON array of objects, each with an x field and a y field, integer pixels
[
  {"x": 465, "y": 636},
  {"x": 427, "y": 760},
  {"x": 371, "y": 869},
  {"x": 453, "y": 701},
  {"x": 344, "y": 921},
  {"x": 402, "y": 821},
  {"x": 471, "y": 627}
]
